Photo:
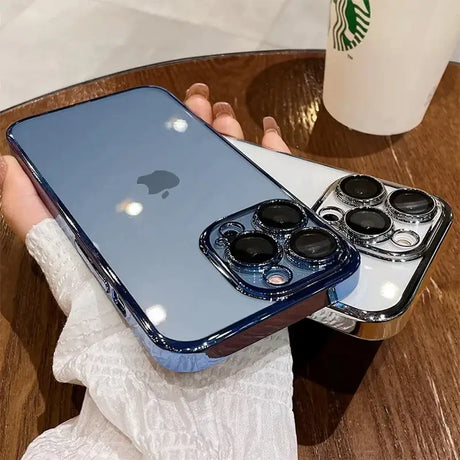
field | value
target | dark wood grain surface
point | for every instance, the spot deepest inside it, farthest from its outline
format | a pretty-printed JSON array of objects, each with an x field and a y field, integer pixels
[{"x": 352, "y": 399}]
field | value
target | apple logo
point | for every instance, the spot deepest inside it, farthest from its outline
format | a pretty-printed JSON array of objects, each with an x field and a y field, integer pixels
[{"x": 159, "y": 181}]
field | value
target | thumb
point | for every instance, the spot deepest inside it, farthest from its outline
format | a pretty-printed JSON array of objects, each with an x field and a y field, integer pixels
[{"x": 21, "y": 206}]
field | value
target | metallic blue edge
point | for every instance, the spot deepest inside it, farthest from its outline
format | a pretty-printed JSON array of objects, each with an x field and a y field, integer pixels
[{"x": 324, "y": 278}]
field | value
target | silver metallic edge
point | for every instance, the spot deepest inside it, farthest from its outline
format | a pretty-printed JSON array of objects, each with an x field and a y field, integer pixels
[
  {"x": 410, "y": 232},
  {"x": 335, "y": 209},
  {"x": 404, "y": 305},
  {"x": 395, "y": 256}
]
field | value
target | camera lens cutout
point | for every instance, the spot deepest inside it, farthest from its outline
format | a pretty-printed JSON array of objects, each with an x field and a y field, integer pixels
[
  {"x": 368, "y": 223},
  {"x": 411, "y": 205},
  {"x": 331, "y": 214},
  {"x": 311, "y": 245},
  {"x": 360, "y": 189},
  {"x": 278, "y": 276},
  {"x": 229, "y": 230},
  {"x": 278, "y": 216},
  {"x": 405, "y": 238},
  {"x": 253, "y": 249}
]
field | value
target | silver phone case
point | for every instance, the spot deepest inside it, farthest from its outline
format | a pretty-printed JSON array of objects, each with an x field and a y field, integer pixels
[{"x": 380, "y": 305}]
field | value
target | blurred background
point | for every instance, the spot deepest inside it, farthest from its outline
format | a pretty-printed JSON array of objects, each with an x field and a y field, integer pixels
[{"x": 49, "y": 44}]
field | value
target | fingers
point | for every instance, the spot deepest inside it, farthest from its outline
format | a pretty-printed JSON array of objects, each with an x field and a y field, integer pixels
[
  {"x": 22, "y": 208},
  {"x": 272, "y": 136},
  {"x": 3, "y": 169},
  {"x": 225, "y": 121},
  {"x": 197, "y": 100},
  {"x": 221, "y": 116}
]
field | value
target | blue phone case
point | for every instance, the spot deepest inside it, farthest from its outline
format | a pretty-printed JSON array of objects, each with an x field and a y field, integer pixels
[{"x": 134, "y": 179}]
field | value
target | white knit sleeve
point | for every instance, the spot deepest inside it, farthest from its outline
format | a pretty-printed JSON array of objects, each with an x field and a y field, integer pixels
[{"x": 240, "y": 408}]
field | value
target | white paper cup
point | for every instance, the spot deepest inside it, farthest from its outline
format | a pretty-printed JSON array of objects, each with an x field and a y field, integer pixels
[{"x": 384, "y": 60}]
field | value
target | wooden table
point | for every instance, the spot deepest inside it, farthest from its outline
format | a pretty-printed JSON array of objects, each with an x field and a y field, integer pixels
[{"x": 353, "y": 399}]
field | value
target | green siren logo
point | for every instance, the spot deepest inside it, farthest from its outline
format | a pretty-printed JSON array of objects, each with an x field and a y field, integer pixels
[{"x": 351, "y": 22}]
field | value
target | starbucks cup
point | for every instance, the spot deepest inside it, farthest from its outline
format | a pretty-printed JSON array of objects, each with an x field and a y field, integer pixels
[{"x": 384, "y": 60}]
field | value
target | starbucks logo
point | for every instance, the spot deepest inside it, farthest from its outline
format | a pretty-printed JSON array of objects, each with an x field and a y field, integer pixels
[{"x": 350, "y": 24}]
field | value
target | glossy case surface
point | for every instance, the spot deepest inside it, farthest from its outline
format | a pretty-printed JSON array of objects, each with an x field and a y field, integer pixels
[
  {"x": 134, "y": 179},
  {"x": 380, "y": 304}
]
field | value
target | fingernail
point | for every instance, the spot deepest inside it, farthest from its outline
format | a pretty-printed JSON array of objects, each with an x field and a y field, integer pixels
[
  {"x": 198, "y": 89},
  {"x": 270, "y": 125},
  {"x": 223, "y": 108},
  {"x": 2, "y": 171}
]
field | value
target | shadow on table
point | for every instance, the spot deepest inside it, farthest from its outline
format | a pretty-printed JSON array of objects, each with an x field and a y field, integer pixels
[
  {"x": 330, "y": 139},
  {"x": 328, "y": 369},
  {"x": 291, "y": 91}
]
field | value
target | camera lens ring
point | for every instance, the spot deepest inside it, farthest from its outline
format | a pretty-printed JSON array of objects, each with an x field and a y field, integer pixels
[
  {"x": 349, "y": 189},
  {"x": 351, "y": 227},
  {"x": 401, "y": 194},
  {"x": 292, "y": 211},
  {"x": 233, "y": 227},
  {"x": 296, "y": 258},
  {"x": 334, "y": 211},
  {"x": 278, "y": 275},
  {"x": 405, "y": 238},
  {"x": 271, "y": 247}
]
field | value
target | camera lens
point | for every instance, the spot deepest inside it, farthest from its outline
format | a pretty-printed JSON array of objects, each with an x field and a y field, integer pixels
[
  {"x": 411, "y": 205},
  {"x": 312, "y": 244},
  {"x": 361, "y": 189},
  {"x": 280, "y": 216},
  {"x": 368, "y": 223},
  {"x": 253, "y": 248}
]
